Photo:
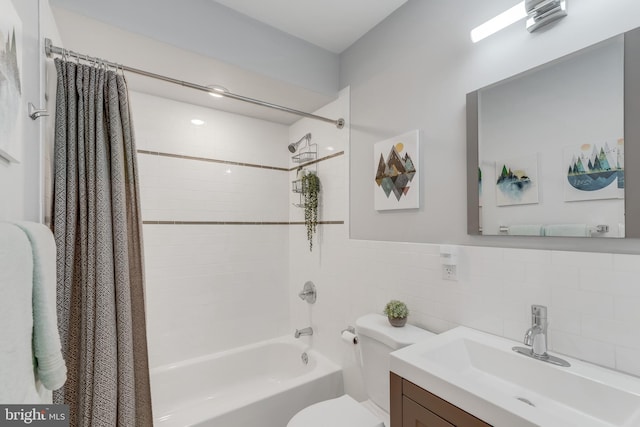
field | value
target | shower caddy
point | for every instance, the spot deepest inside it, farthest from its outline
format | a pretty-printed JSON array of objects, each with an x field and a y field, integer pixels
[{"x": 307, "y": 153}]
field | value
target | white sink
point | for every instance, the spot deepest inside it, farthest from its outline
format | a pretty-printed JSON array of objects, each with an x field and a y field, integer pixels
[{"x": 479, "y": 373}]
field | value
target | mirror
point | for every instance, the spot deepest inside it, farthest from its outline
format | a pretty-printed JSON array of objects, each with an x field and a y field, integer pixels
[{"x": 546, "y": 148}]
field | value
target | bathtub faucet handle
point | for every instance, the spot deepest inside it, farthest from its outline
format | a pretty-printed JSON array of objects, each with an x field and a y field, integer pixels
[{"x": 308, "y": 292}]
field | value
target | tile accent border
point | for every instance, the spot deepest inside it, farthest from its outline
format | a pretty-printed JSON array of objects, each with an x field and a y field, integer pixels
[
  {"x": 237, "y": 222},
  {"x": 228, "y": 162},
  {"x": 207, "y": 159}
]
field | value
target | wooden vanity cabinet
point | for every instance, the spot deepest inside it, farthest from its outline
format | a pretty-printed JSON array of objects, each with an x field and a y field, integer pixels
[{"x": 413, "y": 406}]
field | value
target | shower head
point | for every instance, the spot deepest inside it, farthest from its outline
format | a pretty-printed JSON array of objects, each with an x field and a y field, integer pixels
[{"x": 294, "y": 145}]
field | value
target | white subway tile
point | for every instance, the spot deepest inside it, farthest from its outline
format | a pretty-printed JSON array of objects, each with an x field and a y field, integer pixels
[
  {"x": 602, "y": 261},
  {"x": 486, "y": 323},
  {"x": 431, "y": 323},
  {"x": 616, "y": 332},
  {"x": 484, "y": 253},
  {"x": 513, "y": 309},
  {"x": 626, "y": 262},
  {"x": 598, "y": 280},
  {"x": 565, "y": 320},
  {"x": 527, "y": 256},
  {"x": 556, "y": 275},
  {"x": 614, "y": 282},
  {"x": 628, "y": 360},
  {"x": 627, "y": 309},
  {"x": 515, "y": 330},
  {"x": 583, "y": 348},
  {"x": 483, "y": 286},
  {"x": 536, "y": 293},
  {"x": 495, "y": 267},
  {"x": 598, "y": 305}
]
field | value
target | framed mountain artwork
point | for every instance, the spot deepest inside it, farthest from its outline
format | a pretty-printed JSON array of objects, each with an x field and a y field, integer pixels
[{"x": 397, "y": 179}]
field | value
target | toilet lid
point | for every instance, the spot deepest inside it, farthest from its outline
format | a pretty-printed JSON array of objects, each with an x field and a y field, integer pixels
[{"x": 340, "y": 412}]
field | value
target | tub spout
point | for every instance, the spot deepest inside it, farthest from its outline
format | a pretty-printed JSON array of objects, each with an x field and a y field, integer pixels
[{"x": 303, "y": 332}]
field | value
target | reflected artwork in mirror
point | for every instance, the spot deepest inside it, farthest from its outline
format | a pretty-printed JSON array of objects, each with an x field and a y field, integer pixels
[{"x": 546, "y": 148}]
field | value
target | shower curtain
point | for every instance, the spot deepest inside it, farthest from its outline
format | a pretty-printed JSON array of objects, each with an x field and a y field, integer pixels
[{"x": 97, "y": 227}]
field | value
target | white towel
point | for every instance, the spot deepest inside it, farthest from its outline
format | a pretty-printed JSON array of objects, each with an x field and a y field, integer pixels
[
  {"x": 526, "y": 230},
  {"x": 50, "y": 366},
  {"x": 17, "y": 380},
  {"x": 567, "y": 230}
]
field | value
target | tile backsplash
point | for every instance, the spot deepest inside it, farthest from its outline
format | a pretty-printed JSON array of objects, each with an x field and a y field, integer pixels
[{"x": 593, "y": 308}]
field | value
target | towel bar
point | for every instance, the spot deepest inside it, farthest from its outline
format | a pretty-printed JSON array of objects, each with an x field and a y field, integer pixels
[{"x": 601, "y": 228}]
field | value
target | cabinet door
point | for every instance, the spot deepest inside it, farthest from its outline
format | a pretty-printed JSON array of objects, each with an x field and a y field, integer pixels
[
  {"x": 442, "y": 408},
  {"x": 414, "y": 415}
]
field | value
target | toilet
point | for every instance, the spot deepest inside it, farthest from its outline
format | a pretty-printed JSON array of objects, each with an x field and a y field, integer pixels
[{"x": 377, "y": 339}]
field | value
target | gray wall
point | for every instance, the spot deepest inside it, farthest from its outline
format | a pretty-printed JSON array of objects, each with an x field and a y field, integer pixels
[
  {"x": 208, "y": 28},
  {"x": 414, "y": 71}
]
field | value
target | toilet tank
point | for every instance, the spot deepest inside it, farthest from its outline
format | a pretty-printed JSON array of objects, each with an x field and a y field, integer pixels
[{"x": 377, "y": 339}]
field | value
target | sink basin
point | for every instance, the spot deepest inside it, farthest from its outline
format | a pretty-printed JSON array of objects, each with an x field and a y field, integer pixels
[{"x": 480, "y": 373}]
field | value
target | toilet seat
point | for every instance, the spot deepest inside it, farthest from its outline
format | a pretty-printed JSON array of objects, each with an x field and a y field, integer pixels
[{"x": 340, "y": 412}]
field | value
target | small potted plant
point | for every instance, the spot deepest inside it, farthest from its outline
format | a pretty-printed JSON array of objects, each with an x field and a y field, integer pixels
[{"x": 396, "y": 312}]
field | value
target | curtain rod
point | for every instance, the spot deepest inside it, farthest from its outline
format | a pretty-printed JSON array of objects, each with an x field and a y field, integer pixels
[{"x": 50, "y": 50}]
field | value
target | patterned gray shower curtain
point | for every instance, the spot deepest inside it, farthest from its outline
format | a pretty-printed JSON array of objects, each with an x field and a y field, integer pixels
[{"x": 97, "y": 227}]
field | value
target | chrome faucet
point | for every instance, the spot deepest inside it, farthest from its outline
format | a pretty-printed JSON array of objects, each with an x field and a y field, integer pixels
[
  {"x": 536, "y": 337},
  {"x": 302, "y": 332}
]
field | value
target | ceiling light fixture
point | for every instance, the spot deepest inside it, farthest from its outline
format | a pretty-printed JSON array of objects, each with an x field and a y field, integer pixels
[
  {"x": 197, "y": 122},
  {"x": 499, "y": 22},
  {"x": 538, "y": 12}
]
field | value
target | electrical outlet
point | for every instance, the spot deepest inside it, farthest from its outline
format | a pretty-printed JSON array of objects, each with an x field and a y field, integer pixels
[{"x": 449, "y": 272}]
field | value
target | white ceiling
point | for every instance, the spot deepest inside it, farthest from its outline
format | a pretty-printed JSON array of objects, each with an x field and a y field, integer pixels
[{"x": 331, "y": 24}]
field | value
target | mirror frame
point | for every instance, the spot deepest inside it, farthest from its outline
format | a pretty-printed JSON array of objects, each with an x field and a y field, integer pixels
[{"x": 631, "y": 138}]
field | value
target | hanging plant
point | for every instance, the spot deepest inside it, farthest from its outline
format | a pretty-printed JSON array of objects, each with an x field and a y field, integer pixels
[{"x": 310, "y": 190}]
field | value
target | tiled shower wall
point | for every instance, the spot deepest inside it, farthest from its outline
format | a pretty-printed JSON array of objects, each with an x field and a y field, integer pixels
[{"x": 215, "y": 211}]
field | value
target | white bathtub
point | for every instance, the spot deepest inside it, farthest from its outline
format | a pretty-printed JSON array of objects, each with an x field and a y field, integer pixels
[{"x": 261, "y": 384}]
